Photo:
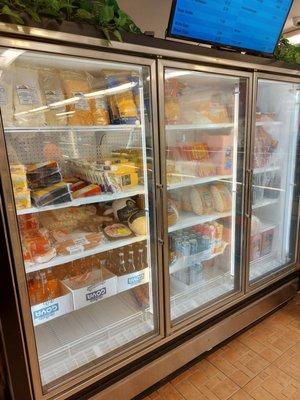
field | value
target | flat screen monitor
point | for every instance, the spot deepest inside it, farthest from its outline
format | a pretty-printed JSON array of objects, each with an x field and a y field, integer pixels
[{"x": 253, "y": 26}]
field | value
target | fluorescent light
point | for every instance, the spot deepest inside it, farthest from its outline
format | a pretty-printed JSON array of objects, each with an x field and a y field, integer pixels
[
  {"x": 65, "y": 102},
  {"x": 175, "y": 74},
  {"x": 8, "y": 56},
  {"x": 65, "y": 113},
  {"x": 105, "y": 92}
]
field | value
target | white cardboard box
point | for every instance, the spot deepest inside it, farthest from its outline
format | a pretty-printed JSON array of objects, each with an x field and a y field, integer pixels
[
  {"x": 51, "y": 309},
  {"x": 132, "y": 280},
  {"x": 86, "y": 295}
]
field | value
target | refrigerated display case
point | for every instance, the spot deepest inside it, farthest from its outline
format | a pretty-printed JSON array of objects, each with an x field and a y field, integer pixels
[
  {"x": 80, "y": 154},
  {"x": 274, "y": 225},
  {"x": 145, "y": 201},
  {"x": 204, "y": 134}
]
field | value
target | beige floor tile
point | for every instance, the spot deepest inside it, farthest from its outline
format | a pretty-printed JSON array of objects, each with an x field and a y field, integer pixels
[
  {"x": 263, "y": 363},
  {"x": 241, "y": 395},
  {"x": 189, "y": 391},
  {"x": 168, "y": 392}
]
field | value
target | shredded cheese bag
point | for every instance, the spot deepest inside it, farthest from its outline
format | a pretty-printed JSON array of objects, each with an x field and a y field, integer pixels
[{"x": 76, "y": 85}]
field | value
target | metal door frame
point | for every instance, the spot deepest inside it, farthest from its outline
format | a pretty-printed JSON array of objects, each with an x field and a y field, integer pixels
[
  {"x": 198, "y": 315},
  {"x": 87, "y": 375},
  {"x": 289, "y": 268}
]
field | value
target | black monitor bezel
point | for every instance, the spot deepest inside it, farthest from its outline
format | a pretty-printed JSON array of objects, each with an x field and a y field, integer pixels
[{"x": 218, "y": 44}]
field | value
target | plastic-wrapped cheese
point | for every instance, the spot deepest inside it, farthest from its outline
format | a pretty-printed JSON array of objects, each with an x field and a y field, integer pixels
[
  {"x": 6, "y": 97},
  {"x": 137, "y": 222},
  {"x": 76, "y": 85},
  {"x": 27, "y": 98},
  {"x": 51, "y": 90}
]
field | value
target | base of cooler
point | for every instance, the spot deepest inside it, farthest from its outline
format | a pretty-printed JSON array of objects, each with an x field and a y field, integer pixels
[
  {"x": 66, "y": 343},
  {"x": 168, "y": 363}
]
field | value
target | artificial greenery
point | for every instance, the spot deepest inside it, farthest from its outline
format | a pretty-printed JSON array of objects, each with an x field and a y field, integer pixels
[
  {"x": 287, "y": 52},
  {"x": 106, "y": 15}
]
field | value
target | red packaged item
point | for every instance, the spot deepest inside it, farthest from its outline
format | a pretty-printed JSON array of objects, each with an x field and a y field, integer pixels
[
  {"x": 28, "y": 222},
  {"x": 87, "y": 191},
  {"x": 78, "y": 185}
]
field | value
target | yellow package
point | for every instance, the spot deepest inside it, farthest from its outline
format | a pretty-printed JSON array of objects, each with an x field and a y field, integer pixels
[
  {"x": 18, "y": 169},
  {"x": 76, "y": 86},
  {"x": 23, "y": 200},
  {"x": 19, "y": 182}
]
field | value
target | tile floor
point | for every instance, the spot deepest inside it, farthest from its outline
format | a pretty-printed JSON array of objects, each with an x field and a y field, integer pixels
[{"x": 262, "y": 363}]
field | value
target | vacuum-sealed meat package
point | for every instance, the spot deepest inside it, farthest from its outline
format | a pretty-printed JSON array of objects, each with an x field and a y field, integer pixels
[
  {"x": 76, "y": 85},
  {"x": 27, "y": 98},
  {"x": 51, "y": 90}
]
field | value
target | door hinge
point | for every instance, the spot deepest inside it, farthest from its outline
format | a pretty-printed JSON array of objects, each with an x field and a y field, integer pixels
[
  {"x": 161, "y": 241},
  {"x": 160, "y": 186}
]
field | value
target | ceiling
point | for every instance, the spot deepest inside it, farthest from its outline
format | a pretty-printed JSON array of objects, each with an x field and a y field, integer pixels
[{"x": 295, "y": 12}]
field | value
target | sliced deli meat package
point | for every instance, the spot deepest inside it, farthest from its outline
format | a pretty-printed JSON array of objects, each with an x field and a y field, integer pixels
[{"x": 77, "y": 242}]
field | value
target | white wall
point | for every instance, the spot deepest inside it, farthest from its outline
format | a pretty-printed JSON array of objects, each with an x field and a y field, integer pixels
[{"x": 149, "y": 15}]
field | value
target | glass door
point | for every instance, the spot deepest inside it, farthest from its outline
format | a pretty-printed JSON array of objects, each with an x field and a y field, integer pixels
[
  {"x": 275, "y": 179},
  {"x": 79, "y": 141},
  {"x": 204, "y": 124}
]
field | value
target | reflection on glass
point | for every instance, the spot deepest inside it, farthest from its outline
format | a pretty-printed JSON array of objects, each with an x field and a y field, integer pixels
[
  {"x": 204, "y": 116},
  {"x": 274, "y": 214},
  {"x": 76, "y": 133}
]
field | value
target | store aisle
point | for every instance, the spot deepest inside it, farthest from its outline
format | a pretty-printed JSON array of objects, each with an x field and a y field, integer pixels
[{"x": 263, "y": 363}]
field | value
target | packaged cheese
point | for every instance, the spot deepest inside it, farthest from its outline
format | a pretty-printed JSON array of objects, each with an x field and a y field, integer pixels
[
  {"x": 123, "y": 107},
  {"x": 22, "y": 199},
  {"x": 6, "y": 97},
  {"x": 76, "y": 85},
  {"x": 100, "y": 106},
  {"x": 117, "y": 231},
  {"x": 55, "y": 194},
  {"x": 44, "y": 174},
  {"x": 27, "y": 98},
  {"x": 51, "y": 91}
]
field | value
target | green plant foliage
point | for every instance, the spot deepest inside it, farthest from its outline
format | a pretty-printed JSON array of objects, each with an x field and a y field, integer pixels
[
  {"x": 287, "y": 52},
  {"x": 106, "y": 15}
]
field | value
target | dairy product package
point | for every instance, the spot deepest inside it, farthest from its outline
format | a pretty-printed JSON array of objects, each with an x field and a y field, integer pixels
[
  {"x": 123, "y": 108},
  {"x": 76, "y": 85},
  {"x": 27, "y": 98},
  {"x": 6, "y": 97},
  {"x": 100, "y": 105},
  {"x": 51, "y": 91}
]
